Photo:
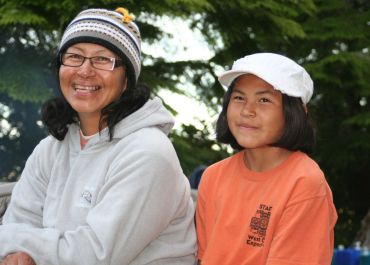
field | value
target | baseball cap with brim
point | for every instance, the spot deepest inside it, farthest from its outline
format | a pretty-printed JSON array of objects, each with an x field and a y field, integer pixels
[{"x": 279, "y": 71}]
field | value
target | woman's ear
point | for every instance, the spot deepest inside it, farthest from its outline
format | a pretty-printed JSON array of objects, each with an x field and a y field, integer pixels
[{"x": 124, "y": 85}]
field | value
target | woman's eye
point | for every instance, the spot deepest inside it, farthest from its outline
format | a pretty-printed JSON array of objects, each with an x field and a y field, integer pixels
[
  {"x": 75, "y": 56},
  {"x": 102, "y": 59}
]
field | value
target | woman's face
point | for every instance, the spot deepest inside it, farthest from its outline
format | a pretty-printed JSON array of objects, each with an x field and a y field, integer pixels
[
  {"x": 255, "y": 112},
  {"x": 87, "y": 89}
]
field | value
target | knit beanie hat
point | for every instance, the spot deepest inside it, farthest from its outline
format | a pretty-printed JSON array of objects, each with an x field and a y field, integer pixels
[{"x": 114, "y": 30}]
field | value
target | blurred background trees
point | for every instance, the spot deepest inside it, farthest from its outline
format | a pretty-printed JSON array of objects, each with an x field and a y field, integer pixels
[{"x": 330, "y": 38}]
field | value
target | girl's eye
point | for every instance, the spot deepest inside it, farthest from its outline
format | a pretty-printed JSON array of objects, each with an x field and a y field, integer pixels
[
  {"x": 237, "y": 98},
  {"x": 264, "y": 100}
]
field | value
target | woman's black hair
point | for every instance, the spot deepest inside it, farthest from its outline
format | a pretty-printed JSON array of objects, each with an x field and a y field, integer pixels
[
  {"x": 298, "y": 134},
  {"x": 57, "y": 113}
]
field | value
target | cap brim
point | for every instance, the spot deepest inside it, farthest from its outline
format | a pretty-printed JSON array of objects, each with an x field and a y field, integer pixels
[{"x": 229, "y": 76}]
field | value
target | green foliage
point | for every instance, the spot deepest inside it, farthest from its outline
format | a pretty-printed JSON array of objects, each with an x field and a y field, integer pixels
[
  {"x": 29, "y": 84},
  {"x": 24, "y": 67},
  {"x": 13, "y": 14},
  {"x": 361, "y": 120},
  {"x": 19, "y": 138},
  {"x": 335, "y": 52},
  {"x": 342, "y": 110},
  {"x": 195, "y": 148}
]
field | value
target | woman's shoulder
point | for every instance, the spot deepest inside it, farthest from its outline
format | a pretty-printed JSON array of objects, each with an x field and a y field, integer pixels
[
  {"x": 149, "y": 146},
  {"x": 48, "y": 144},
  {"x": 148, "y": 139}
]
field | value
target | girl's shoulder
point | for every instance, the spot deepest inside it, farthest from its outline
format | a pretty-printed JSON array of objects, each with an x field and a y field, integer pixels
[
  {"x": 305, "y": 176},
  {"x": 301, "y": 164},
  {"x": 226, "y": 163},
  {"x": 219, "y": 171}
]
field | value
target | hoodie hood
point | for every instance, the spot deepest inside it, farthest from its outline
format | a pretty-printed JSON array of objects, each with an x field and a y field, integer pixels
[{"x": 151, "y": 114}]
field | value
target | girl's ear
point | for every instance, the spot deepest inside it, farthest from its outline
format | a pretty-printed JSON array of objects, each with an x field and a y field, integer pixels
[{"x": 305, "y": 108}]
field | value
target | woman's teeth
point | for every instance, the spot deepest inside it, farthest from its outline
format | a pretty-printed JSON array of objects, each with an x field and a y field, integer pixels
[{"x": 86, "y": 88}]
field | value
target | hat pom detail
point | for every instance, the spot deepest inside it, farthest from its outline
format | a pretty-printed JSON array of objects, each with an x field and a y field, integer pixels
[{"x": 126, "y": 16}]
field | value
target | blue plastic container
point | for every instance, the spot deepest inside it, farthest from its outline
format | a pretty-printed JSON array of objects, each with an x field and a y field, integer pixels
[
  {"x": 347, "y": 256},
  {"x": 342, "y": 256},
  {"x": 365, "y": 257}
]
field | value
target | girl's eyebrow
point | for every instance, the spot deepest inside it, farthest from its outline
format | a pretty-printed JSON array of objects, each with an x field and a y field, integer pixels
[
  {"x": 265, "y": 91},
  {"x": 235, "y": 89}
]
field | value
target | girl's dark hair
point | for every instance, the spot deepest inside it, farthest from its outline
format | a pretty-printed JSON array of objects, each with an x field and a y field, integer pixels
[
  {"x": 298, "y": 135},
  {"x": 57, "y": 113}
]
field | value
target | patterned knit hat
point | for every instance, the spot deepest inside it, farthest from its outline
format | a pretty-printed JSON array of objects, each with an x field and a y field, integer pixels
[{"x": 111, "y": 29}]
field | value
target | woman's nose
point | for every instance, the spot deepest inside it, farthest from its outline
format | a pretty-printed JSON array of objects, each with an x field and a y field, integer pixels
[{"x": 86, "y": 69}]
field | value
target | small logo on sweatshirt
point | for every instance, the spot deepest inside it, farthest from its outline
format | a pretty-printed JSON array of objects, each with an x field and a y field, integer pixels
[
  {"x": 86, "y": 197},
  {"x": 258, "y": 226}
]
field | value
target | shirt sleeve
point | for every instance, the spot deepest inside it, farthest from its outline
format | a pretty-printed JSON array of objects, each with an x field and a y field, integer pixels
[
  {"x": 135, "y": 205},
  {"x": 28, "y": 196},
  {"x": 305, "y": 233},
  {"x": 200, "y": 215}
]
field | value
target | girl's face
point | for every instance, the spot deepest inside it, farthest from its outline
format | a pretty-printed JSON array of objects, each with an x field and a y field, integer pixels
[
  {"x": 255, "y": 112},
  {"x": 89, "y": 90}
]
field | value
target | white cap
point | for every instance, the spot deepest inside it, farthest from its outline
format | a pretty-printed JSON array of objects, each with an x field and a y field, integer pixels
[{"x": 279, "y": 71}]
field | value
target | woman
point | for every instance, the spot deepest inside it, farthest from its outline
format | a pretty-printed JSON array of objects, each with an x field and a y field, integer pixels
[{"x": 106, "y": 187}]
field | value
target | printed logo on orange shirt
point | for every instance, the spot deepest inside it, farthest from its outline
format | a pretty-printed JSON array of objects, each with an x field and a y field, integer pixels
[{"x": 258, "y": 226}]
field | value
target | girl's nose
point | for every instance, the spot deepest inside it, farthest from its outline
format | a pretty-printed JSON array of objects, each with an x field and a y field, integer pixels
[{"x": 248, "y": 109}]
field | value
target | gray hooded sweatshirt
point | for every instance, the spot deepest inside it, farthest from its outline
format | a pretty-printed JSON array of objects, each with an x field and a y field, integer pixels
[{"x": 124, "y": 201}]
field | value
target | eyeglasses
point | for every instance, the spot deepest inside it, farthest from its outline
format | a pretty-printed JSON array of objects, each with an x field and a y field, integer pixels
[{"x": 98, "y": 62}]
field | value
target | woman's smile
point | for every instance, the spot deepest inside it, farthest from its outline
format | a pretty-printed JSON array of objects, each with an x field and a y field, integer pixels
[{"x": 83, "y": 88}]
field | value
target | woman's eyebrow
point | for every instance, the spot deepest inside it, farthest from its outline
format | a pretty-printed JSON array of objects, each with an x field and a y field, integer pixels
[{"x": 95, "y": 52}]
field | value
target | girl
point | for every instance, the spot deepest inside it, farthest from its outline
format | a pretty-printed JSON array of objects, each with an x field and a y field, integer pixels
[{"x": 269, "y": 203}]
